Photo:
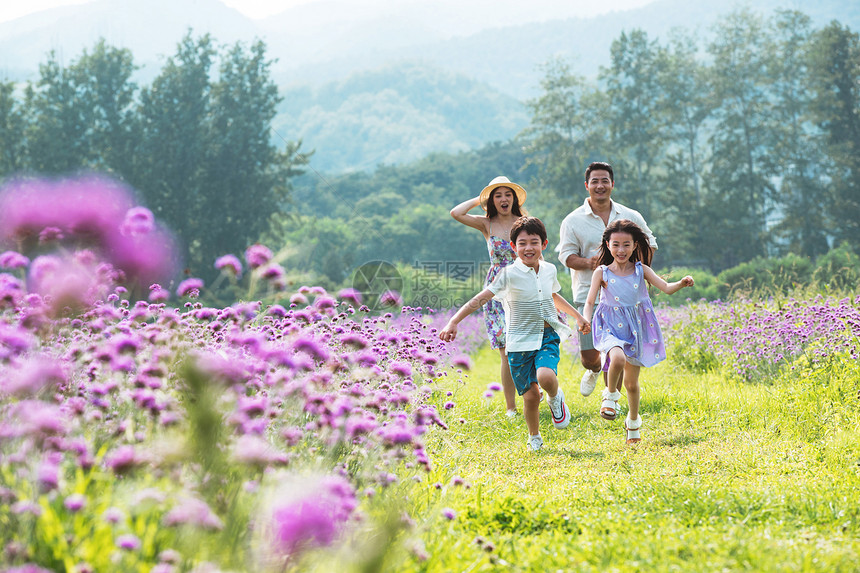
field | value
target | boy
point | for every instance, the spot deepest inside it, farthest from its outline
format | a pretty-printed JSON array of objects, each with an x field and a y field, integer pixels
[{"x": 528, "y": 290}]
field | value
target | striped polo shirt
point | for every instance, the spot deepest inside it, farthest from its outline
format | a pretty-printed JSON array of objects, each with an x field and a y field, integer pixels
[{"x": 527, "y": 299}]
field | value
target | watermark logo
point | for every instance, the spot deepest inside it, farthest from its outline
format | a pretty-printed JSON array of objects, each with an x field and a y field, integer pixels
[{"x": 375, "y": 279}]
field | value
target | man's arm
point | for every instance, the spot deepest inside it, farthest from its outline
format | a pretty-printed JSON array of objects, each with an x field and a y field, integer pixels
[{"x": 578, "y": 263}]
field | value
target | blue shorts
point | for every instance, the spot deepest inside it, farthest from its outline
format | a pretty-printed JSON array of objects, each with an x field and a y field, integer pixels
[{"x": 524, "y": 364}]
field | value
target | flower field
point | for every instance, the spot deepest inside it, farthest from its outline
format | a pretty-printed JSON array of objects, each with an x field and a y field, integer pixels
[{"x": 144, "y": 430}]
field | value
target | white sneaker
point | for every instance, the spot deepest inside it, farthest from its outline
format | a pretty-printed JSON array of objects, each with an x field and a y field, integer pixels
[
  {"x": 558, "y": 409},
  {"x": 510, "y": 413},
  {"x": 589, "y": 381},
  {"x": 535, "y": 443}
]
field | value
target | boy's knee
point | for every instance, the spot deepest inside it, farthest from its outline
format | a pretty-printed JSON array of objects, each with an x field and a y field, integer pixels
[{"x": 545, "y": 376}]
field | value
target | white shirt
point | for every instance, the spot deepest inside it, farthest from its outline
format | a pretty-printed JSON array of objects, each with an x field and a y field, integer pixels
[
  {"x": 581, "y": 235},
  {"x": 527, "y": 298}
]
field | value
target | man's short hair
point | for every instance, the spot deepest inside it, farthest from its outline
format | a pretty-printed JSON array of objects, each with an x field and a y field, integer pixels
[
  {"x": 530, "y": 226},
  {"x": 599, "y": 166}
]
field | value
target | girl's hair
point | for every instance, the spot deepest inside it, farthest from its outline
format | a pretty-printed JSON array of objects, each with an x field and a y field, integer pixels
[
  {"x": 642, "y": 251},
  {"x": 515, "y": 208}
]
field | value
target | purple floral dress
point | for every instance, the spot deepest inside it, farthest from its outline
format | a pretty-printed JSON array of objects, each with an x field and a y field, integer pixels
[
  {"x": 625, "y": 318},
  {"x": 501, "y": 255}
]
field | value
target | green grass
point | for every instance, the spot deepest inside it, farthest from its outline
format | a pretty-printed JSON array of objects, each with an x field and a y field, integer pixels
[{"x": 729, "y": 477}]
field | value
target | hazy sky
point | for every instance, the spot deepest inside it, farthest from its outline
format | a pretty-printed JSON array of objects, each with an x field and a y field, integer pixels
[{"x": 11, "y": 9}]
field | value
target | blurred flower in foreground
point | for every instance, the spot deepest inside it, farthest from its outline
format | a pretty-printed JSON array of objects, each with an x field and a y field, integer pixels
[
  {"x": 307, "y": 514},
  {"x": 91, "y": 213}
]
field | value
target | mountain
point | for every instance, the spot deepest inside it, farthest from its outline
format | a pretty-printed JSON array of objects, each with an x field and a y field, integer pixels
[{"x": 396, "y": 114}]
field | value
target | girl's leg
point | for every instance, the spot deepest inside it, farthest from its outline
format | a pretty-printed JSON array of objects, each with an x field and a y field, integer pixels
[
  {"x": 531, "y": 405},
  {"x": 631, "y": 383},
  {"x": 508, "y": 383},
  {"x": 617, "y": 362}
]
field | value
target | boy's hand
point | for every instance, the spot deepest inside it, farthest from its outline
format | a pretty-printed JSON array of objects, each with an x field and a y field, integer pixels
[
  {"x": 687, "y": 281},
  {"x": 583, "y": 326},
  {"x": 448, "y": 333}
]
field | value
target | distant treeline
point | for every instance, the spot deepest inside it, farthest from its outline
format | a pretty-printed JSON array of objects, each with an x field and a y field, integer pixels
[{"x": 738, "y": 145}]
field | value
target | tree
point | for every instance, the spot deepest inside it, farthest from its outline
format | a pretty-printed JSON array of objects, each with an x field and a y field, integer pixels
[
  {"x": 568, "y": 129},
  {"x": 637, "y": 137},
  {"x": 56, "y": 121},
  {"x": 102, "y": 81},
  {"x": 683, "y": 108},
  {"x": 740, "y": 191},
  {"x": 12, "y": 143},
  {"x": 835, "y": 74},
  {"x": 172, "y": 155},
  {"x": 796, "y": 151},
  {"x": 247, "y": 177}
]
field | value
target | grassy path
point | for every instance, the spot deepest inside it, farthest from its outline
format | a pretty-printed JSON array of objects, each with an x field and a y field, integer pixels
[{"x": 729, "y": 477}]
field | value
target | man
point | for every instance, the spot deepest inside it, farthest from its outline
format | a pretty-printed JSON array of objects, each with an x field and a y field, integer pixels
[{"x": 581, "y": 233}]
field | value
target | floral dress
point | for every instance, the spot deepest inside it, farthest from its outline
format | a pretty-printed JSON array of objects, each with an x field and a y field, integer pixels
[
  {"x": 625, "y": 318},
  {"x": 501, "y": 255}
]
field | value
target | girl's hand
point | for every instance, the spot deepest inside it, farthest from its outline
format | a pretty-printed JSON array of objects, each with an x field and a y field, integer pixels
[
  {"x": 448, "y": 333},
  {"x": 583, "y": 326},
  {"x": 687, "y": 281}
]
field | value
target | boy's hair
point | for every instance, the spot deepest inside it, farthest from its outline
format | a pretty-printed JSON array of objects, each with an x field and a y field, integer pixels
[
  {"x": 516, "y": 209},
  {"x": 642, "y": 251},
  {"x": 530, "y": 226},
  {"x": 599, "y": 166}
]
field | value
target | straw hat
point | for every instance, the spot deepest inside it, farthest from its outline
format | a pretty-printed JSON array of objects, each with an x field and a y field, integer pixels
[{"x": 501, "y": 181}]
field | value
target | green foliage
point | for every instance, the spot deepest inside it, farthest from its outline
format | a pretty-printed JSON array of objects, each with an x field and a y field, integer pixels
[
  {"x": 838, "y": 269},
  {"x": 765, "y": 276},
  {"x": 705, "y": 287}
]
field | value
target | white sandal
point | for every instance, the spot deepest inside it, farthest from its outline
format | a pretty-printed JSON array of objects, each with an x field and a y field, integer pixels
[
  {"x": 609, "y": 408},
  {"x": 632, "y": 435}
]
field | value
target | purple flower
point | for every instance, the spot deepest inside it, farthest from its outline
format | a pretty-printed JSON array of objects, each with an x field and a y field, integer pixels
[
  {"x": 494, "y": 387},
  {"x": 137, "y": 221},
  {"x": 272, "y": 271},
  {"x": 75, "y": 502},
  {"x": 190, "y": 287},
  {"x": 193, "y": 511},
  {"x": 121, "y": 460},
  {"x": 257, "y": 255},
  {"x": 313, "y": 518},
  {"x": 128, "y": 542},
  {"x": 449, "y": 513},
  {"x": 87, "y": 209},
  {"x": 113, "y": 515},
  {"x": 312, "y": 347},
  {"x": 462, "y": 361},
  {"x": 298, "y": 298},
  {"x": 229, "y": 264},
  {"x": 33, "y": 375},
  {"x": 13, "y": 260},
  {"x": 350, "y": 295}
]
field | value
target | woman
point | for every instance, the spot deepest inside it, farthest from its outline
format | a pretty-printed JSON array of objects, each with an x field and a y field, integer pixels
[{"x": 502, "y": 201}]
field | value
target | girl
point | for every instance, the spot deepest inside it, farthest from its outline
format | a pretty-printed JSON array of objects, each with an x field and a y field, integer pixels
[
  {"x": 625, "y": 329},
  {"x": 502, "y": 201}
]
